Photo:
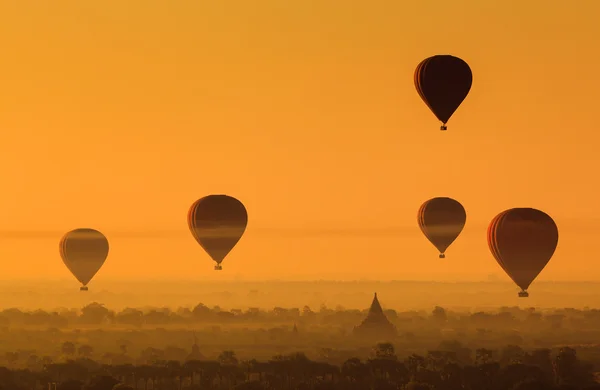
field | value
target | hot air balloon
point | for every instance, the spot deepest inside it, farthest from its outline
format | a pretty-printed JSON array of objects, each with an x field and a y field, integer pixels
[
  {"x": 441, "y": 220},
  {"x": 84, "y": 251},
  {"x": 443, "y": 82},
  {"x": 522, "y": 240},
  {"x": 217, "y": 222}
]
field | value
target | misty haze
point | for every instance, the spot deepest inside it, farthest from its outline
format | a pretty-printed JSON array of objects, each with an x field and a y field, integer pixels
[{"x": 299, "y": 195}]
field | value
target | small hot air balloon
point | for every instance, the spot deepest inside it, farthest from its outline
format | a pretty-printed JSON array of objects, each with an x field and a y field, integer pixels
[
  {"x": 441, "y": 220},
  {"x": 217, "y": 222},
  {"x": 84, "y": 251},
  {"x": 443, "y": 82},
  {"x": 522, "y": 240}
]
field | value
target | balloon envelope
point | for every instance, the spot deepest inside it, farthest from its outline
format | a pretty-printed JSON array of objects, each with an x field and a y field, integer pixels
[
  {"x": 522, "y": 240},
  {"x": 441, "y": 220},
  {"x": 84, "y": 251},
  {"x": 443, "y": 82},
  {"x": 217, "y": 222}
]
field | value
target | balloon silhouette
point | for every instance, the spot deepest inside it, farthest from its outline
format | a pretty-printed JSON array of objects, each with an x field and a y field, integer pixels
[
  {"x": 522, "y": 240},
  {"x": 441, "y": 220},
  {"x": 217, "y": 222},
  {"x": 443, "y": 82},
  {"x": 84, "y": 251}
]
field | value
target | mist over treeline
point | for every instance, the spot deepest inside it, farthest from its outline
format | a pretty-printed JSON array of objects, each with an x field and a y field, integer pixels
[
  {"x": 209, "y": 347},
  {"x": 298, "y": 335},
  {"x": 279, "y": 327}
]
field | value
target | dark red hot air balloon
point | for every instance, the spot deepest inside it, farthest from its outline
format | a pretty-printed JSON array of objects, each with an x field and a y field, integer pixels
[
  {"x": 443, "y": 82},
  {"x": 522, "y": 240},
  {"x": 441, "y": 220},
  {"x": 84, "y": 251},
  {"x": 217, "y": 222}
]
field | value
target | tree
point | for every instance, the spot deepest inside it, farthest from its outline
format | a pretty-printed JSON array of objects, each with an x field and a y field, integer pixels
[
  {"x": 462, "y": 353},
  {"x": 354, "y": 369},
  {"x": 514, "y": 374},
  {"x": 483, "y": 356},
  {"x": 542, "y": 359},
  {"x": 131, "y": 316},
  {"x": 201, "y": 311},
  {"x": 511, "y": 354},
  {"x": 157, "y": 317},
  {"x": 94, "y": 313},
  {"x": 228, "y": 358},
  {"x": 384, "y": 351},
  {"x": 568, "y": 370},
  {"x": 439, "y": 315},
  {"x": 436, "y": 360},
  {"x": 414, "y": 364},
  {"x": 307, "y": 312}
]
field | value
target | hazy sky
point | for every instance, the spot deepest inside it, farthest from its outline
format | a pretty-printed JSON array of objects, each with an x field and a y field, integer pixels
[{"x": 117, "y": 115}]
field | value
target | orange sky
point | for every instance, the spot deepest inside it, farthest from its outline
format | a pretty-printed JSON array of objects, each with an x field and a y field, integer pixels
[{"x": 117, "y": 115}]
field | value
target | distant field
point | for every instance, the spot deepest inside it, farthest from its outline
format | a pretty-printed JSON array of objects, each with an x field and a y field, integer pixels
[{"x": 398, "y": 295}]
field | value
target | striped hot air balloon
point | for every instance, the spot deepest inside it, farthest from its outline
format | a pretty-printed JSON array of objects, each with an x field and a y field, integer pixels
[
  {"x": 84, "y": 251},
  {"x": 441, "y": 220},
  {"x": 522, "y": 240},
  {"x": 217, "y": 222},
  {"x": 443, "y": 82}
]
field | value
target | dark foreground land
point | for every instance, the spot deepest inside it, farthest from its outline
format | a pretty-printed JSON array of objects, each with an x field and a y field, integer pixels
[{"x": 452, "y": 370}]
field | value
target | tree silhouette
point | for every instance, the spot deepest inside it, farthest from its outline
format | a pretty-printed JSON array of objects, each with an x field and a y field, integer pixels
[{"x": 227, "y": 358}]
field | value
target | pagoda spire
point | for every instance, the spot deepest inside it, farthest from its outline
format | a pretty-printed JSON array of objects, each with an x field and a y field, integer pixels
[
  {"x": 376, "y": 323},
  {"x": 375, "y": 308}
]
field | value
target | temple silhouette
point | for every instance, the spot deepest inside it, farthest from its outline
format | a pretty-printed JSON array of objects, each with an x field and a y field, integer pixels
[
  {"x": 376, "y": 324},
  {"x": 195, "y": 354}
]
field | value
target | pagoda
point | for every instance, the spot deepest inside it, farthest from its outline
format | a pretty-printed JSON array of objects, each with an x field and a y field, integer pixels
[
  {"x": 196, "y": 354},
  {"x": 376, "y": 325}
]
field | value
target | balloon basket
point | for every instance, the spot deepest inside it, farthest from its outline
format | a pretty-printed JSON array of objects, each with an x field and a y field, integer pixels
[
  {"x": 443, "y": 127},
  {"x": 442, "y": 256},
  {"x": 84, "y": 288},
  {"x": 523, "y": 294},
  {"x": 218, "y": 267}
]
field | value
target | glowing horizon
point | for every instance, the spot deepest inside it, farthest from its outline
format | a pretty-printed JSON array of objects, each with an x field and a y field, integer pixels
[{"x": 118, "y": 116}]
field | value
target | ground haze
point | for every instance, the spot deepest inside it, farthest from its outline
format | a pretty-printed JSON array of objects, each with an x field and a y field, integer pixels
[{"x": 397, "y": 295}]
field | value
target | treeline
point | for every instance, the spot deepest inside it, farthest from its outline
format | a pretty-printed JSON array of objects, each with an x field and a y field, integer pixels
[
  {"x": 514, "y": 369},
  {"x": 98, "y": 314}
]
